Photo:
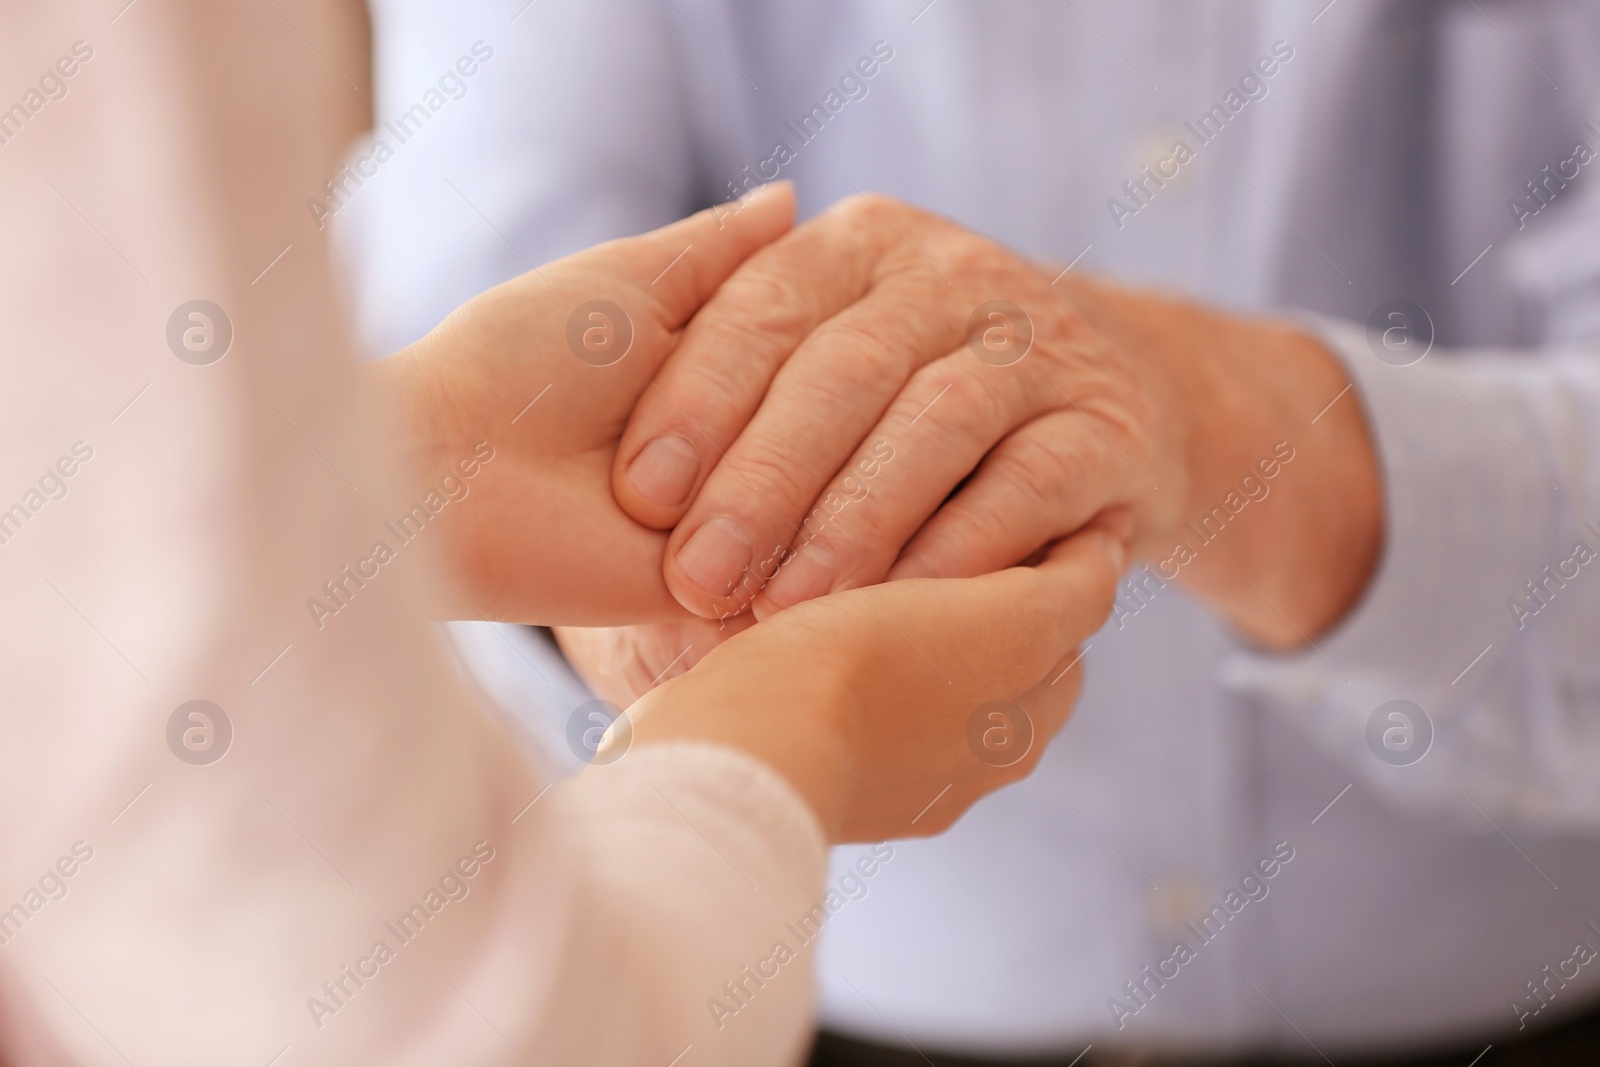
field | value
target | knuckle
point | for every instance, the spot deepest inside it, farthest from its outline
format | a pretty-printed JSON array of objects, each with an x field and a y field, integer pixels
[
  {"x": 769, "y": 304},
  {"x": 862, "y": 540},
  {"x": 765, "y": 483},
  {"x": 973, "y": 533},
  {"x": 885, "y": 203},
  {"x": 825, "y": 395},
  {"x": 703, "y": 404},
  {"x": 973, "y": 258},
  {"x": 819, "y": 521},
  {"x": 1036, "y": 468},
  {"x": 1063, "y": 319},
  {"x": 851, "y": 542},
  {"x": 958, "y": 402},
  {"x": 865, "y": 354},
  {"x": 857, "y": 210},
  {"x": 872, "y": 209}
]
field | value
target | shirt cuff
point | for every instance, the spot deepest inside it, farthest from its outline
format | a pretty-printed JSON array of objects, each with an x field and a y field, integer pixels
[{"x": 1469, "y": 517}]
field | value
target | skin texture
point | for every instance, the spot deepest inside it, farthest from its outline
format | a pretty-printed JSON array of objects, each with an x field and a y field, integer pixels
[
  {"x": 861, "y": 700},
  {"x": 1129, "y": 407},
  {"x": 852, "y": 333},
  {"x": 1307, "y": 553}
]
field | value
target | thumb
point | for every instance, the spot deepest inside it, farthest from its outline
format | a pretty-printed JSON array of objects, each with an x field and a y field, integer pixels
[{"x": 680, "y": 265}]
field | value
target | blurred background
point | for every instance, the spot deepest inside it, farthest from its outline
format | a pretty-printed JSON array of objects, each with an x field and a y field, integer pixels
[{"x": 1323, "y": 159}]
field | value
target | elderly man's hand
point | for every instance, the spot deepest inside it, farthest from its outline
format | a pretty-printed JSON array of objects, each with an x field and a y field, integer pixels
[{"x": 911, "y": 399}]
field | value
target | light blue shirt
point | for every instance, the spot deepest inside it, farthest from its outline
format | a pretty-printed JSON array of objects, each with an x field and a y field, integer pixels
[{"x": 1334, "y": 159}]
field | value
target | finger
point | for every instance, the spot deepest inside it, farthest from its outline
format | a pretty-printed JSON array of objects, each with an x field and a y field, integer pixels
[
  {"x": 678, "y": 267},
  {"x": 1042, "y": 482},
  {"x": 933, "y": 435},
  {"x": 997, "y": 636},
  {"x": 1052, "y": 607},
  {"x": 704, "y": 397}
]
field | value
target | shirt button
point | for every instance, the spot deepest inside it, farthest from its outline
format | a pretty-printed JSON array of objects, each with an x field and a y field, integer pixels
[{"x": 1180, "y": 896}]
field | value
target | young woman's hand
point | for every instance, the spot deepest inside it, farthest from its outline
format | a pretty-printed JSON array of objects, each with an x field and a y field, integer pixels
[
  {"x": 541, "y": 374},
  {"x": 891, "y": 709}
]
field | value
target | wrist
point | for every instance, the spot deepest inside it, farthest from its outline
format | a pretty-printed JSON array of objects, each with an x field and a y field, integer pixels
[
  {"x": 794, "y": 724},
  {"x": 408, "y": 386},
  {"x": 1283, "y": 547},
  {"x": 1306, "y": 558}
]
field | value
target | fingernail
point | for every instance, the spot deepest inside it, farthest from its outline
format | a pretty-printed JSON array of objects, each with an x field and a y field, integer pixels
[
  {"x": 664, "y": 470},
  {"x": 716, "y": 556},
  {"x": 808, "y": 575}
]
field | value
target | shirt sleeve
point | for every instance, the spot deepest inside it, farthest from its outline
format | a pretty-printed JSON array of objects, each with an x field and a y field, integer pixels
[
  {"x": 1484, "y": 608},
  {"x": 239, "y": 829},
  {"x": 572, "y": 130}
]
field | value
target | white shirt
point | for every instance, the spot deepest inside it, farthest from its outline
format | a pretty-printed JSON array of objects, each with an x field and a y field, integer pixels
[
  {"x": 1382, "y": 162},
  {"x": 188, "y": 886}
]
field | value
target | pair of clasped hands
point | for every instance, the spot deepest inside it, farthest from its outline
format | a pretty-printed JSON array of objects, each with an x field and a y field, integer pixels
[{"x": 816, "y": 427}]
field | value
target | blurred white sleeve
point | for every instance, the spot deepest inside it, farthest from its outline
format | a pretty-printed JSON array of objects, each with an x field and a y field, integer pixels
[
  {"x": 1485, "y": 608},
  {"x": 347, "y": 859}
]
